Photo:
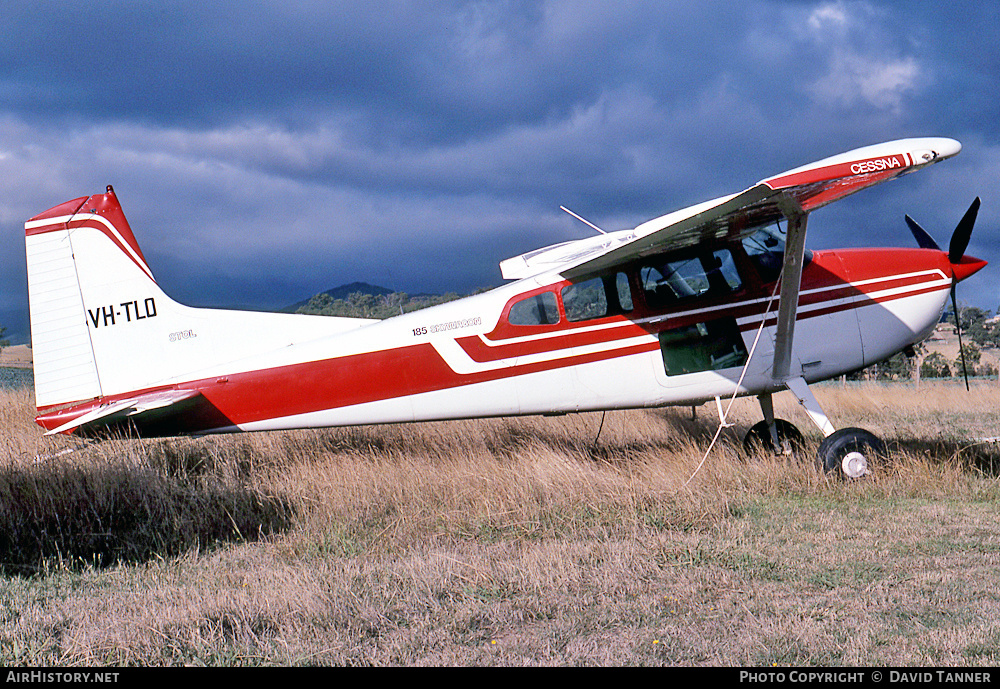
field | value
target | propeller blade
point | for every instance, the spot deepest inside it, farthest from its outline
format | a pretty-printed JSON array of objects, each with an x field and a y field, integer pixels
[
  {"x": 956, "y": 249},
  {"x": 960, "y": 239},
  {"x": 958, "y": 329},
  {"x": 924, "y": 240}
]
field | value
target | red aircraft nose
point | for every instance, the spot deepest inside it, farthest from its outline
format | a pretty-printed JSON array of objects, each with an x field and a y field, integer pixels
[{"x": 967, "y": 266}]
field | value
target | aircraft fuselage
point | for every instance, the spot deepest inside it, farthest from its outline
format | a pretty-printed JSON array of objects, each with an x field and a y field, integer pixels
[{"x": 672, "y": 329}]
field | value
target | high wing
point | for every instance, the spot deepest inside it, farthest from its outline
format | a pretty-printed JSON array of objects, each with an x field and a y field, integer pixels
[{"x": 790, "y": 195}]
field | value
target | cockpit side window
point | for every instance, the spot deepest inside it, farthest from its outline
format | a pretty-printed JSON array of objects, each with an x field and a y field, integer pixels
[
  {"x": 667, "y": 279},
  {"x": 538, "y": 309}
]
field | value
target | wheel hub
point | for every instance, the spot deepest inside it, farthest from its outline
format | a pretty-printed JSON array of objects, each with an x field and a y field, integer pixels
[{"x": 854, "y": 465}]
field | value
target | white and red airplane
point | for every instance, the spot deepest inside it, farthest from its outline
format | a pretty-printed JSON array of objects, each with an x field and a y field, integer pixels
[{"x": 706, "y": 302}]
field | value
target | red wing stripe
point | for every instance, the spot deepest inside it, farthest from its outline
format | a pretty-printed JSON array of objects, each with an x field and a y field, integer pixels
[{"x": 854, "y": 172}]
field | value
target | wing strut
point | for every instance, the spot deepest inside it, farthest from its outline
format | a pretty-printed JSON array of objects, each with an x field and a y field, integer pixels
[{"x": 795, "y": 248}]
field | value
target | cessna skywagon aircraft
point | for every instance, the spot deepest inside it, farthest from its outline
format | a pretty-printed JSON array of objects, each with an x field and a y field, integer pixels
[{"x": 710, "y": 301}]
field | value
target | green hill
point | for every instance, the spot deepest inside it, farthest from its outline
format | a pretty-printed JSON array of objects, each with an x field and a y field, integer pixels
[{"x": 361, "y": 300}]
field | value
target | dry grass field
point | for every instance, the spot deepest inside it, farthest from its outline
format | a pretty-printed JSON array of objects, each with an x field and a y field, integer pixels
[{"x": 527, "y": 541}]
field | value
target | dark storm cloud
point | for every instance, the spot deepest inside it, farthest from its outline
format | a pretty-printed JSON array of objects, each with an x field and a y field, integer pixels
[
  {"x": 265, "y": 151},
  {"x": 203, "y": 63}
]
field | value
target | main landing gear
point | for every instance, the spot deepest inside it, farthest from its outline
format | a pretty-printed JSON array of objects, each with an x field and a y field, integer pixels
[{"x": 846, "y": 452}]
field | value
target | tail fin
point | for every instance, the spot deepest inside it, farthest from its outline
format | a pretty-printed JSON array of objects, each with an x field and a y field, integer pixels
[
  {"x": 102, "y": 328},
  {"x": 82, "y": 262}
]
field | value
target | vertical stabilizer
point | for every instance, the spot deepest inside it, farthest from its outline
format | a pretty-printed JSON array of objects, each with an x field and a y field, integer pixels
[
  {"x": 83, "y": 262},
  {"x": 102, "y": 329}
]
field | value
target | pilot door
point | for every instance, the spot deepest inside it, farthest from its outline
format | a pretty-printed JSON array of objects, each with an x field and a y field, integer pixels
[{"x": 701, "y": 342}]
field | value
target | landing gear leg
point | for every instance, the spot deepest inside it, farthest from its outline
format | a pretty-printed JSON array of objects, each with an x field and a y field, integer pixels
[
  {"x": 801, "y": 390},
  {"x": 846, "y": 452},
  {"x": 767, "y": 408},
  {"x": 780, "y": 436}
]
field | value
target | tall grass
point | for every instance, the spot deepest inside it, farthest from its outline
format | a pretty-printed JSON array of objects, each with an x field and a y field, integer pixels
[
  {"x": 129, "y": 500},
  {"x": 584, "y": 539},
  {"x": 121, "y": 500}
]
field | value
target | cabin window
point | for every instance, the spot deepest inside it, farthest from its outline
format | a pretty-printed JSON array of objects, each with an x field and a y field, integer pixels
[
  {"x": 709, "y": 346},
  {"x": 624, "y": 291},
  {"x": 666, "y": 280},
  {"x": 597, "y": 298},
  {"x": 538, "y": 309}
]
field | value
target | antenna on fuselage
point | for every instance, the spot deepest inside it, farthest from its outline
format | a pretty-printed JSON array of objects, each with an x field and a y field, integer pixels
[{"x": 583, "y": 220}]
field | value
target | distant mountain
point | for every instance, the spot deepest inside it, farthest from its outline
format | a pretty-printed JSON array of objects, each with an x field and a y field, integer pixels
[{"x": 342, "y": 293}]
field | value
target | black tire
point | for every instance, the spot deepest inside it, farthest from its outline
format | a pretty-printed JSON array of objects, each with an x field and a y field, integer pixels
[
  {"x": 759, "y": 437},
  {"x": 856, "y": 445}
]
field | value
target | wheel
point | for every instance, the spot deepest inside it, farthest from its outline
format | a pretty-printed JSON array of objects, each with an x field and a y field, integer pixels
[
  {"x": 848, "y": 452},
  {"x": 759, "y": 436}
]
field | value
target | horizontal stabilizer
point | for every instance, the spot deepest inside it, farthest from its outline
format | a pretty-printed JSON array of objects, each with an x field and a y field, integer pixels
[{"x": 133, "y": 408}]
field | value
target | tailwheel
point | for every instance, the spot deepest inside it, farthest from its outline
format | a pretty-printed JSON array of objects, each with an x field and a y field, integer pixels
[
  {"x": 790, "y": 439},
  {"x": 849, "y": 452}
]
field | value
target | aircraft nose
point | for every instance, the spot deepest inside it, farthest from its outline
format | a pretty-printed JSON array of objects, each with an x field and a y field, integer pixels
[{"x": 968, "y": 265}]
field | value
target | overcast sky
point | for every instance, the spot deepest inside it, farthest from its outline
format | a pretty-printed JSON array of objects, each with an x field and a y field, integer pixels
[{"x": 266, "y": 151}]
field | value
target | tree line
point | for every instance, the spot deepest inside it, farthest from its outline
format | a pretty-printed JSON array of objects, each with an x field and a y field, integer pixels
[{"x": 978, "y": 334}]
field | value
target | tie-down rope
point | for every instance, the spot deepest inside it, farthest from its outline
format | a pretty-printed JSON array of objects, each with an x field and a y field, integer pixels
[{"x": 723, "y": 423}]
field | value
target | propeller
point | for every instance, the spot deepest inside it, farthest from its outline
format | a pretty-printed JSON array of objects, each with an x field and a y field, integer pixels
[{"x": 956, "y": 250}]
